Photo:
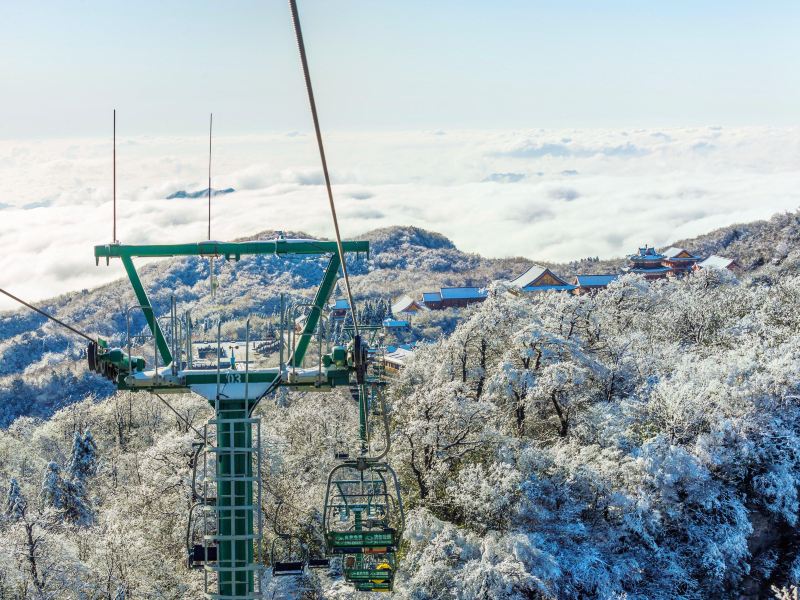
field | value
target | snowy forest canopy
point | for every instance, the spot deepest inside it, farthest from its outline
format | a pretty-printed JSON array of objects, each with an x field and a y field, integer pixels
[{"x": 641, "y": 443}]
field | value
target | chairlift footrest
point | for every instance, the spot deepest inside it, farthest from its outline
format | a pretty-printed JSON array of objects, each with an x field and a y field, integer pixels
[{"x": 319, "y": 563}]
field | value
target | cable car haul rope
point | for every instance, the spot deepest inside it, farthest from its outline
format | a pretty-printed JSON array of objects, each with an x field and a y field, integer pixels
[{"x": 298, "y": 32}]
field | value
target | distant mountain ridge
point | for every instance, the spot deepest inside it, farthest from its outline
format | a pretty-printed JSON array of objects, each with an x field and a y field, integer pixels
[
  {"x": 43, "y": 363},
  {"x": 180, "y": 194}
]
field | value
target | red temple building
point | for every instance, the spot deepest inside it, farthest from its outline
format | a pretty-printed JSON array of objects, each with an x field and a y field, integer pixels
[{"x": 680, "y": 260}]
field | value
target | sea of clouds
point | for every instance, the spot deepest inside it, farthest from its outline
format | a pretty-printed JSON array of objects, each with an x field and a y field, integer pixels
[{"x": 544, "y": 194}]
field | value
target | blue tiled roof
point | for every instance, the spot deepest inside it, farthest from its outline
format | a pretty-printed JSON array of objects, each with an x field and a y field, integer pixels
[
  {"x": 462, "y": 293},
  {"x": 649, "y": 269},
  {"x": 341, "y": 304},
  {"x": 395, "y": 323},
  {"x": 431, "y": 297},
  {"x": 647, "y": 254},
  {"x": 646, "y": 259},
  {"x": 595, "y": 280},
  {"x": 545, "y": 288}
]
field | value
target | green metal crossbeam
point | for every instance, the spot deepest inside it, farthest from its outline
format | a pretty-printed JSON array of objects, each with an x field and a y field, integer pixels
[{"x": 230, "y": 250}]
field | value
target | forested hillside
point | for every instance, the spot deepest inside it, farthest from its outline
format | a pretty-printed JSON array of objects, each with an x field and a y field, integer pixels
[
  {"x": 42, "y": 366},
  {"x": 643, "y": 442},
  {"x": 766, "y": 248}
]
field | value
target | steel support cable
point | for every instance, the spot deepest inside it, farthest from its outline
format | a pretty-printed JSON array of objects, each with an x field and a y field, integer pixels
[
  {"x": 49, "y": 316},
  {"x": 179, "y": 415},
  {"x": 304, "y": 62}
]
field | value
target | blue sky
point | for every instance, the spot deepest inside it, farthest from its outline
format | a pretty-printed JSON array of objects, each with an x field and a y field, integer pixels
[
  {"x": 551, "y": 130},
  {"x": 384, "y": 65}
]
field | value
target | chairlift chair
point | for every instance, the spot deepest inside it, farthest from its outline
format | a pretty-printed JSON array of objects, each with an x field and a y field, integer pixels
[
  {"x": 363, "y": 508},
  {"x": 198, "y": 555},
  {"x": 287, "y": 556}
]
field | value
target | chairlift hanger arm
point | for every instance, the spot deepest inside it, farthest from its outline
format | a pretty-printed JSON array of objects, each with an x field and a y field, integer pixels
[{"x": 233, "y": 250}]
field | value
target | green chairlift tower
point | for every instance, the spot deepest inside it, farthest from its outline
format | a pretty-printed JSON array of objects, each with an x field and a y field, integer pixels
[{"x": 232, "y": 392}]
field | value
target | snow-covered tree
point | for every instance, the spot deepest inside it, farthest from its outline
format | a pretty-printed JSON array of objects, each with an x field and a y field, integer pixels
[{"x": 15, "y": 502}]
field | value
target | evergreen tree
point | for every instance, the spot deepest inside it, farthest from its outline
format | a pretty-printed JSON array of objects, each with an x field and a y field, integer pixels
[
  {"x": 67, "y": 497},
  {"x": 83, "y": 461},
  {"x": 15, "y": 502},
  {"x": 389, "y": 314},
  {"x": 52, "y": 493}
]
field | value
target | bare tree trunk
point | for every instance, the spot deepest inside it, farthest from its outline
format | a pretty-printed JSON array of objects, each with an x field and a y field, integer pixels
[
  {"x": 483, "y": 360},
  {"x": 563, "y": 417},
  {"x": 32, "y": 543}
]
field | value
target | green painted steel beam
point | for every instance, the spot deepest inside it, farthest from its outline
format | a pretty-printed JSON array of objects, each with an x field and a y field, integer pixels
[
  {"x": 147, "y": 309},
  {"x": 320, "y": 301},
  {"x": 198, "y": 377},
  {"x": 234, "y": 250}
]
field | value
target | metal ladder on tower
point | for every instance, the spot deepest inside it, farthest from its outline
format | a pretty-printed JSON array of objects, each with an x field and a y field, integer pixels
[{"x": 232, "y": 496}]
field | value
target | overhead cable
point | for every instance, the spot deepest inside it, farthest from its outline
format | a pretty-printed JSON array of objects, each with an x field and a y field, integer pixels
[
  {"x": 49, "y": 316},
  {"x": 304, "y": 61}
]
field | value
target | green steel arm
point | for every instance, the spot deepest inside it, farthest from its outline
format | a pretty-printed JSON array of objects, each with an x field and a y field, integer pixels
[
  {"x": 233, "y": 250},
  {"x": 147, "y": 309},
  {"x": 320, "y": 300}
]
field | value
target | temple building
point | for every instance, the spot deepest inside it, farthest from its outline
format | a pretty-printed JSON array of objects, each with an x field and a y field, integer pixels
[
  {"x": 395, "y": 357},
  {"x": 541, "y": 279},
  {"x": 679, "y": 260},
  {"x": 458, "y": 297},
  {"x": 649, "y": 263},
  {"x": 432, "y": 300},
  {"x": 591, "y": 284},
  {"x": 395, "y": 324},
  {"x": 453, "y": 297},
  {"x": 405, "y": 306},
  {"x": 339, "y": 308},
  {"x": 718, "y": 262}
]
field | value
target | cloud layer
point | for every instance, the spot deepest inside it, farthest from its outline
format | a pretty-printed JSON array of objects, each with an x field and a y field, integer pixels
[{"x": 553, "y": 195}]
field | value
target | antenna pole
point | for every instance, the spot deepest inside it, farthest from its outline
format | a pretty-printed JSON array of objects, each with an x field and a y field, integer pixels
[
  {"x": 210, "y": 126},
  {"x": 114, "y": 228}
]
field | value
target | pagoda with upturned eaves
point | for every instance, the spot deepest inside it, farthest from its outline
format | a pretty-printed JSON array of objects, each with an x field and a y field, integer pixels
[{"x": 649, "y": 263}]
